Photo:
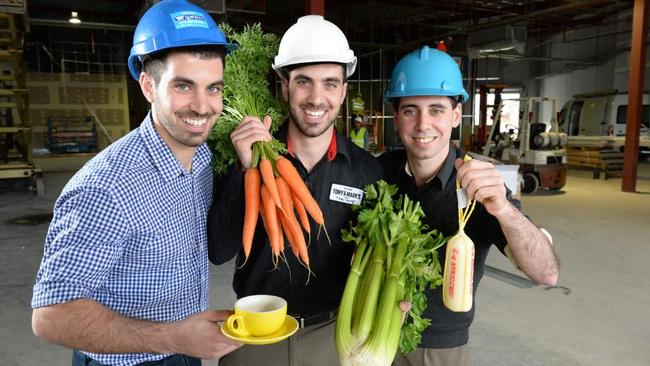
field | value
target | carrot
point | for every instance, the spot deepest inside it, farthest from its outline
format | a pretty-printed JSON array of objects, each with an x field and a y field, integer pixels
[
  {"x": 279, "y": 247},
  {"x": 252, "y": 185},
  {"x": 302, "y": 214},
  {"x": 261, "y": 213},
  {"x": 284, "y": 193},
  {"x": 293, "y": 179},
  {"x": 292, "y": 222},
  {"x": 278, "y": 250},
  {"x": 292, "y": 242},
  {"x": 266, "y": 170},
  {"x": 263, "y": 216},
  {"x": 271, "y": 241},
  {"x": 271, "y": 219}
]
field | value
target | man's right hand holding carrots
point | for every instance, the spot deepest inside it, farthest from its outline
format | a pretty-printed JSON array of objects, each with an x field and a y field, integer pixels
[{"x": 249, "y": 131}]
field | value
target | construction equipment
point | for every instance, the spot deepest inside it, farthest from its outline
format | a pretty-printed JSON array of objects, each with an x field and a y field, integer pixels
[
  {"x": 16, "y": 164},
  {"x": 540, "y": 154},
  {"x": 481, "y": 139},
  {"x": 71, "y": 135}
]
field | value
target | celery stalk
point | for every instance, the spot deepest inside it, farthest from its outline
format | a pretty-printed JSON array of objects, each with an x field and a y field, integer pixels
[{"x": 396, "y": 260}]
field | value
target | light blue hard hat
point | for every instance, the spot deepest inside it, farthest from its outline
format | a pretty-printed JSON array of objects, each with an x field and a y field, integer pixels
[
  {"x": 172, "y": 24},
  {"x": 426, "y": 71}
]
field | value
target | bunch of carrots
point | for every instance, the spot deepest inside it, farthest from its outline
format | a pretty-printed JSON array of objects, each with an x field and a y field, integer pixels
[
  {"x": 275, "y": 190},
  {"x": 273, "y": 187}
]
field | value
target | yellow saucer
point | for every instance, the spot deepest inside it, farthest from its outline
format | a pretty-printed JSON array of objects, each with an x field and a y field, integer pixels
[{"x": 289, "y": 327}]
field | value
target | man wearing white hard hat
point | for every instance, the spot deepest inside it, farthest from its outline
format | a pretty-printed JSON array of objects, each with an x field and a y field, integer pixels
[{"x": 314, "y": 62}]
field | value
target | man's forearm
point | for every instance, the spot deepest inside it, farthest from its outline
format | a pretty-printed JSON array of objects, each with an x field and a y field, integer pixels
[
  {"x": 530, "y": 248},
  {"x": 87, "y": 325}
]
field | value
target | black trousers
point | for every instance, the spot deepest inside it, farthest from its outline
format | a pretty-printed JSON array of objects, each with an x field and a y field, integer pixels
[{"x": 80, "y": 359}]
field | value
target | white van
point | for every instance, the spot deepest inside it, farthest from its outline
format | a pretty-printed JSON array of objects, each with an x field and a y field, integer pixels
[{"x": 600, "y": 114}]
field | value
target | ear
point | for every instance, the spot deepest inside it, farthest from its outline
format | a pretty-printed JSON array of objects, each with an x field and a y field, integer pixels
[
  {"x": 147, "y": 86},
  {"x": 285, "y": 90},
  {"x": 396, "y": 120},
  {"x": 456, "y": 115},
  {"x": 345, "y": 91}
]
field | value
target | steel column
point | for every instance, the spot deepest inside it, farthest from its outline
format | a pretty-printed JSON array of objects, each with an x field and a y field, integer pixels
[
  {"x": 635, "y": 95},
  {"x": 316, "y": 7}
]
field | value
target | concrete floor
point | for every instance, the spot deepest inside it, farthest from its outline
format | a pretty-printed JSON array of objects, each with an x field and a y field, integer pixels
[{"x": 598, "y": 317}]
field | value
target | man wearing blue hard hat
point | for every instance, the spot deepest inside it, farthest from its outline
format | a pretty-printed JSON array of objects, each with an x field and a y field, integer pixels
[
  {"x": 125, "y": 278},
  {"x": 427, "y": 93}
]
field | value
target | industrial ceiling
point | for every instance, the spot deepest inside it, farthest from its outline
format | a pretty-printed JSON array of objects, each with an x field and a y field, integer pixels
[{"x": 372, "y": 26}]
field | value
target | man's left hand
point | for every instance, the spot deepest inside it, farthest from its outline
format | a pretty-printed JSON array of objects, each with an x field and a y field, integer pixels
[{"x": 482, "y": 182}]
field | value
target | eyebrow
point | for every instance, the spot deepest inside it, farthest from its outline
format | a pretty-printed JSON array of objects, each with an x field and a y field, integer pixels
[
  {"x": 217, "y": 83},
  {"x": 180, "y": 79},
  {"x": 334, "y": 78},
  {"x": 432, "y": 105},
  {"x": 305, "y": 77}
]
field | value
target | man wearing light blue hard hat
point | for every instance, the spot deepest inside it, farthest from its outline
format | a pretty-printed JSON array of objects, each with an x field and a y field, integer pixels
[
  {"x": 427, "y": 93},
  {"x": 125, "y": 278}
]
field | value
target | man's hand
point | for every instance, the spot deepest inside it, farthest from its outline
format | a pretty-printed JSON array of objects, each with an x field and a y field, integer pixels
[
  {"x": 87, "y": 325},
  {"x": 404, "y": 306},
  {"x": 249, "y": 131},
  {"x": 531, "y": 251},
  {"x": 200, "y": 336},
  {"x": 483, "y": 182}
]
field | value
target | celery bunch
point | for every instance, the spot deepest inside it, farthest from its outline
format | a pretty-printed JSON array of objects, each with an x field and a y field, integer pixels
[
  {"x": 246, "y": 91},
  {"x": 395, "y": 259}
]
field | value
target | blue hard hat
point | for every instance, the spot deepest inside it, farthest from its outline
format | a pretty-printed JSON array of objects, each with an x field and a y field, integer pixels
[
  {"x": 171, "y": 24},
  {"x": 426, "y": 71}
]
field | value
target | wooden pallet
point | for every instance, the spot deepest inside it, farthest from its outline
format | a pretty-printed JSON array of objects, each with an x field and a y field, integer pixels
[{"x": 595, "y": 159}]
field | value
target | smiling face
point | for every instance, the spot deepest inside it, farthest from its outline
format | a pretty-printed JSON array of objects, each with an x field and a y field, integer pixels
[
  {"x": 187, "y": 100},
  {"x": 314, "y": 94},
  {"x": 424, "y": 125}
]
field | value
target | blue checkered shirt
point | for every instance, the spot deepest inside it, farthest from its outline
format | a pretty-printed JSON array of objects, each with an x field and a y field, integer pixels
[{"x": 129, "y": 231}]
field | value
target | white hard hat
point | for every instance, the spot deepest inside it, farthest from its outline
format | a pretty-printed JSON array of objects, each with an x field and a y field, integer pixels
[{"x": 314, "y": 39}]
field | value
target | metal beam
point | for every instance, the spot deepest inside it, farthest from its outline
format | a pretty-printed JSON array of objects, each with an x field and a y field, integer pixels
[
  {"x": 508, "y": 277},
  {"x": 571, "y": 6},
  {"x": 316, "y": 7},
  {"x": 635, "y": 95},
  {"x": 82, "y": 25}
]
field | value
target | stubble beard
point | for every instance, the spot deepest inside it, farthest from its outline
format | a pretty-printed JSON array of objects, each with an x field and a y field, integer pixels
[
  {"x": 173, "y": 124},
  {"x": 307, "y": 130}
]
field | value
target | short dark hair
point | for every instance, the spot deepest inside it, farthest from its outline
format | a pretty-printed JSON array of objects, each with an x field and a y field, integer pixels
[
  {"x": 454, "y": 102},
  {"x": 285, "y": 71},
  {"x": 155, "y": 63}
]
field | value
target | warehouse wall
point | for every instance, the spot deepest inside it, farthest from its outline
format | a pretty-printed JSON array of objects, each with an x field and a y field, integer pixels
[
  {"x": 607, "y": 48},
  {"x": 62, "y": 96}
]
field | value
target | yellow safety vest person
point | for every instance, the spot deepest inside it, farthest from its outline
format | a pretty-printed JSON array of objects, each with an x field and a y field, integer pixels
[{"x": 359, "y": 137}]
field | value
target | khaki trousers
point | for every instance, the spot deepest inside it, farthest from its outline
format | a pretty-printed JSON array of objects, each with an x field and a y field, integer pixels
[
  {"x": 310, "y": 346},
  {"x": 456, "y": 356}
]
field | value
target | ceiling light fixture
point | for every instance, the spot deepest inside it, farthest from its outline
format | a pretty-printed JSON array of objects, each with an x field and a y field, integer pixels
[{"x": 74, "y": 19}]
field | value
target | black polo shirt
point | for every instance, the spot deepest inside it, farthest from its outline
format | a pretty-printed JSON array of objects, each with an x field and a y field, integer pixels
[
  {"x": 439, "y": 202},
  {"x": 345, "y": 165}
]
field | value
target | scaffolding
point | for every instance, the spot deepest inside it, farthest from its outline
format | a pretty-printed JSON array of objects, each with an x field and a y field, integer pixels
[{"x": 15, "y": 128}]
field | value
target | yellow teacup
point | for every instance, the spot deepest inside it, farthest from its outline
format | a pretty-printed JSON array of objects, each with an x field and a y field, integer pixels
[{"x": 257, "y": 315}]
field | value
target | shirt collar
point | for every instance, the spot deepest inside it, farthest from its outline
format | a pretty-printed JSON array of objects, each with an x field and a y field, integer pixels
[
  {"x": 444, "y": 174},
  {"x": 162, "y": 156},
  {"x": 337, "y": 143}
]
